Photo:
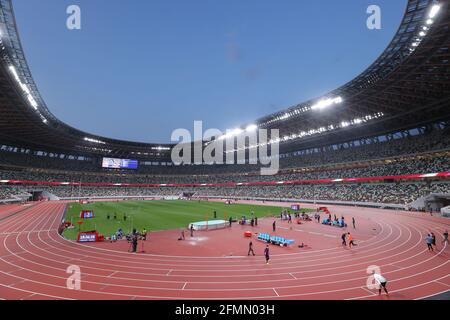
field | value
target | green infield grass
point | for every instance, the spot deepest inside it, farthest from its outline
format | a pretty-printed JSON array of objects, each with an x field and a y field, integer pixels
[{"x": 157, "y": 215}]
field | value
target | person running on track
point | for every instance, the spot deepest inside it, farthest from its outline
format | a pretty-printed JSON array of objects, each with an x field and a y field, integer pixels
[
  {"x": 354, "y": 222},
  {"x": 350, "y": 240},
  {"x": 381, "y": 281},
  {"x": 250, "y": 248},
  {"x": 434, "y": 240},
  {"x": 445, "y": 235},
  {"x": 274, "y": 226},
  {"x": 192, "y": 230},
  {"x": 344, "y": 241},
  {"x": 266, "y": 254},
  {"x": 429, "y": 241}
]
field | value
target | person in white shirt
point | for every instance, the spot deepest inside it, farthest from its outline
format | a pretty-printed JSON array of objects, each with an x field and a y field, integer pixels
[{"x": 381, "y": 282}]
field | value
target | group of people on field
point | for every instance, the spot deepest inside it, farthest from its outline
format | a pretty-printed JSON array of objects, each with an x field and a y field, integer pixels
[
  {"x": 430, "y": 240},
  {"x": 347, "y": 237},
  {"x": 266, "y": 251}
]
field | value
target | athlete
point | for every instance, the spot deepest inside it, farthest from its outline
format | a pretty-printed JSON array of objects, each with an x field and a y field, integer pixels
[
  {"x": 266, "y": 254},
  {"x": 250, "y": 248},
  {"x": 381, "y": 282},
  {"x": 429, "y": 241},
  {"x": 344, "y": 239},
  {"x": 445, "y": 234},
  {"x": 350, "y": 240}
]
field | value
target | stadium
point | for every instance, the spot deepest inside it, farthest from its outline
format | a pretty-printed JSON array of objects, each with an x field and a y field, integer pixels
[{"x": 367, "y": 164}]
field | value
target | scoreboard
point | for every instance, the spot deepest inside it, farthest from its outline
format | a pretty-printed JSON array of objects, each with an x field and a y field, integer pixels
[{"x": 114, "y": 163}]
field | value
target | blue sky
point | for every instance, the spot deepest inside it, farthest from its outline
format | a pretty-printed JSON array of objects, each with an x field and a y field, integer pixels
[{"x": 138, "y": 69}]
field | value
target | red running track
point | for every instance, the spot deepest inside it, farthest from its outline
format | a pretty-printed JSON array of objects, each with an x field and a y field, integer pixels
[{"x": 34, "y": 259}]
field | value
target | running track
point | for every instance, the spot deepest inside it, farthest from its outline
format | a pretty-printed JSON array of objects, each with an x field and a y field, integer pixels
[{"x": 34, "y": 259}]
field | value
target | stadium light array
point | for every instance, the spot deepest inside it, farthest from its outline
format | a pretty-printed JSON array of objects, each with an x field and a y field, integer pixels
[
  {"x": 434, "y": 11},
  {"x": 93, "y": 140},
  {"x": 428, "y": 22},
  {"x": 251, "y": 128},
  {"x": 320, "y": 105},
  {"x": 24, "y": 88},
  {"x": 27, "y": 93},
  {"x": 161, "y": 148},
  {"x": 238, "y": 131},
  {"x": 332, "y": 127}
]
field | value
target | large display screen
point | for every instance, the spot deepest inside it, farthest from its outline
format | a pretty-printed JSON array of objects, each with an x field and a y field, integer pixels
[{"x": 113, "y": 163}]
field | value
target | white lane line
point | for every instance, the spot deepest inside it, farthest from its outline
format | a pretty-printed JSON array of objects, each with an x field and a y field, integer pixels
[
  {"x": 330, "y": 236},
  {"x": 112, "y": 274},
  {"x": 338, "y": 290},
  {"x": 445, "y": 284},
  {"x": 18, "y": 282},
  {"x": 367, "y": 290},
  {"x": 103, "y": 287},
  {"x": 14, "y": 254},
  {"x": 293, "y": 276},
  {"x": 275, "y": 292},
  {"x": 11, "y": 272},
  {"x": 25, "y": 231},
  {"x": 185, "y": 284},
  {"x": 41, "y": 240},
  {"x": 28, "y": 297},
  {"x": 311, "y": 232},
  {"x": 168, "y": 273},
  {"x": 322, "y": 234},
  {"x": 321, "y": 264},
  {"x": 432, "y": 295},
  {"x": 38, "y": 236}
]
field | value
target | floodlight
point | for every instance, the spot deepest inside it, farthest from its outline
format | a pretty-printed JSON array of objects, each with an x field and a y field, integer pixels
[{"x": 434, "y": 10}]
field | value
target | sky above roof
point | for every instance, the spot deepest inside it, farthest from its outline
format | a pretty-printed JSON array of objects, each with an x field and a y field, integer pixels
[{"x": 137, "y": 69}]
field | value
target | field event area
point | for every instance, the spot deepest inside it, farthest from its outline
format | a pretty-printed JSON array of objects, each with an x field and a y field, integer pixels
[{"x": 157, "y": 215}]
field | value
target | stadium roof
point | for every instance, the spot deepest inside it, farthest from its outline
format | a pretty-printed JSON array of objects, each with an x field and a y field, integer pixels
[{"x": 407, "y": 86}]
